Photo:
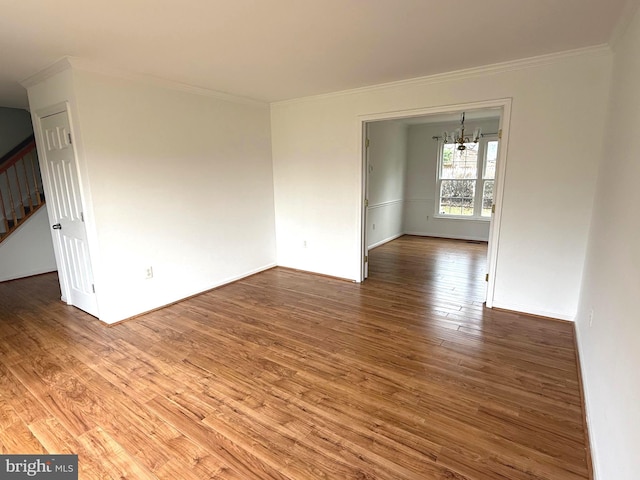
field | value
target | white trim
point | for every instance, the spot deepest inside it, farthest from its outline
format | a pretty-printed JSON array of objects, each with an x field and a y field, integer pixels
[
  {"x": 434, "y": 110},
  {"x": 89, "y": 66},
  {"x": 46, "y": 73},
  {"x": 248, "y": 273},
  {"x": 213, "y": 286},
  {"x": 498, "y": 194},
  {"x": 470, "y": 218},
  {"x": 514, "y": 307},
  {"x": 587, "y": 407},
  {"x": 363, "y": 211},
  {"x": 47, "y": 188},
  {"x": 596, "y": 50},
  {"x": 452, "y": 237},
  {"x": 479, "y": 180},
  {"x": 386, "y": 240},
  {"x": 52, "y": 110},
  {"x": 84, "y": 193},
  {"x": 504, "y": 104},
  {"x": 29, "y": 273},
  {"x": 386, "y": 204}
]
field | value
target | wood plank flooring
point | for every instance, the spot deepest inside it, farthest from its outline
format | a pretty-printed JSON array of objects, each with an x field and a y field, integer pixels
[{"x": 288, "y": 375}]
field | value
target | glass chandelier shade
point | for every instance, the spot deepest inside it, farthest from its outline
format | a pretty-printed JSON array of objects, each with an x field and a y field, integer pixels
[{"x": 458, "y": 136}]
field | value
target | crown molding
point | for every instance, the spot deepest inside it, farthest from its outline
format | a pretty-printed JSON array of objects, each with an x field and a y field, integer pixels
[
  {"x": 95, "y": 67},
  {"x": 46, "y": 73},
  {"x": 594, "y": 51}
]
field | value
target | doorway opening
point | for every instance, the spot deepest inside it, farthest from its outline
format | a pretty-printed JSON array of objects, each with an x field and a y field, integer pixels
[{"x": 416, "y": 180}]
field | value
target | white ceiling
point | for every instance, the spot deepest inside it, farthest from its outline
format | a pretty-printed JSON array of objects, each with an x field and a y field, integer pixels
[{"x": 279, "y": 49}]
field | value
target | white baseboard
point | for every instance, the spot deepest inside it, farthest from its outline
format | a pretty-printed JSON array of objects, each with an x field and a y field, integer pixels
[
  {"x": 587, "y": 408},
  {"x": 243, "y": 275},
  {"x": 193, "y": 294},
  {"x": 534, "y": 311},
  {"x": 454, "y": 237},
  {"x": 386, "y": 240},
  {"x": 29, "y": 273}
]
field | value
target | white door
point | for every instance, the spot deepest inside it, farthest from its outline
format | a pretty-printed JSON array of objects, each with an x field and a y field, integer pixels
[
  {"x": 65, "y": 209},
  {"x": 498, "y": 184},
  {"x": 365, "y": 216}
]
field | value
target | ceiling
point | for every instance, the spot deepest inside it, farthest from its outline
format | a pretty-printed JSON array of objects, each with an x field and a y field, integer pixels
[{"x": 280, "y": 49}]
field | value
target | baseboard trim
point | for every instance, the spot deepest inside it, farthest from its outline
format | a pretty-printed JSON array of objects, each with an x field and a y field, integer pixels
[
  {"x": 309, "y": 272},
  {"x": 386, "y": 240},
  {"x": 534, "y": 312},
  {"x": 228, "y": 281},
  {"x": 451, "y": 237},
  {"x": 31, "y": 273},
  {"x": 583, "y": 401}
]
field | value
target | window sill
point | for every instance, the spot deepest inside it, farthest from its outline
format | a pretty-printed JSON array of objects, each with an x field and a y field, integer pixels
[{"x": 454, "y": 217}]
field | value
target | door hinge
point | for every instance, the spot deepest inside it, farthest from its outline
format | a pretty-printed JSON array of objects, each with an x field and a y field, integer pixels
[
  {"x": 93, "y": 288},
  {"x": 366, "y": 143},
  {"x": 69, "y": 137},
  {"x": 500, "y": 133},
  {"x": 366, "y": 258},
  {"x": 82, "y": 216},
  {"x": 493, "y": 208},
  {"x": 366, "y": 202},
  {"x": 486, "y": 277}
]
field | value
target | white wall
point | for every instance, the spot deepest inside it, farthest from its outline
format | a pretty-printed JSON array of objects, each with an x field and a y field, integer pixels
[
  {"x": 610, "y": 346},
  {"x": 173, "y": 180},
  {"x": 549, "y": 184},
  {"x": 15, "y": 126},
  {"x": 28, "y": 250},
  {"x": 387, "y": 159},
  {"x": 422, "y": 165}
]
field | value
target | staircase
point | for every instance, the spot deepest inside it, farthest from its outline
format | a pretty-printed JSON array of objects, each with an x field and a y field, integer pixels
[{"x": 21, "y": 193}]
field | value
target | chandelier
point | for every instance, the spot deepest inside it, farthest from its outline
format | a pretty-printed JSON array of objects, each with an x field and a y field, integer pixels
[{"x": 458, "y": 136}]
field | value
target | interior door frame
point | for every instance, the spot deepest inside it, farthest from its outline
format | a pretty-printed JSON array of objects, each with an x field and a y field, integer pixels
[
  {"x": 365, "y": 211},
  {"x": 39, "y": 115},
  {"x": 496, "y": 220}
]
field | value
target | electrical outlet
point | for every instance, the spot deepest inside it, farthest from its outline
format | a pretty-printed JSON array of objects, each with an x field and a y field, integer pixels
[
  {"x": 304, "y": 244},
  {"x": 148, "y": 273}
]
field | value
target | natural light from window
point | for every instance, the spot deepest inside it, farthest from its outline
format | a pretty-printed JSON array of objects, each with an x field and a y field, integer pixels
[{"x": 466, "y": 178}]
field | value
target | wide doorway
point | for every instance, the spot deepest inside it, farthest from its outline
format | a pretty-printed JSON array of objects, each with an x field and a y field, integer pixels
[{"x": 439, "y": 174}]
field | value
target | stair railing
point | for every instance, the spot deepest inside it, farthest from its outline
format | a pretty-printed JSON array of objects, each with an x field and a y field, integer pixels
[{"x": 20, "y": 186}]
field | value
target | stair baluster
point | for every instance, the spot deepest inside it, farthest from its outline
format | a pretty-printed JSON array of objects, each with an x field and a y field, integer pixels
[
  {"x": 5, "y": 222},
  {"x": 26, "y": 183},
  {"x": 21, "y": 211},
  {"x": 33, "y": 161},
  {"x": 12, "y": 207},
  {"x": 21, "y": 165}
]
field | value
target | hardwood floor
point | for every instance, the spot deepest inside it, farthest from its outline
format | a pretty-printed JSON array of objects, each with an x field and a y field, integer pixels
[{"x": 287, "y": 375}]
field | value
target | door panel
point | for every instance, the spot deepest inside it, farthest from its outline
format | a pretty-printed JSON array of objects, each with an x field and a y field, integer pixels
[{"x": 66, "y": 208}]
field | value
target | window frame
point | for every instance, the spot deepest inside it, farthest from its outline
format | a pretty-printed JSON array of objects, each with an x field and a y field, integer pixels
[{"x": 479, "y": 180}]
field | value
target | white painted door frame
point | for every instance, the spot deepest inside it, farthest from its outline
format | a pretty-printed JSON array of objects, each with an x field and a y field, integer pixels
[
  {"x": 494, "y": 229},
  {"x": 365, "y": 211},
  {"x": 87, "y": 299}
]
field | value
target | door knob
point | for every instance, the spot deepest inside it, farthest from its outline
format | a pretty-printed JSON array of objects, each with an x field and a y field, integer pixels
[{"x": 57, "y": 226}]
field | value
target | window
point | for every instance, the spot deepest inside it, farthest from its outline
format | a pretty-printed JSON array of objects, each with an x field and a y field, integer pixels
[{"x": 466, "y": 178}]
